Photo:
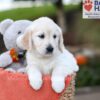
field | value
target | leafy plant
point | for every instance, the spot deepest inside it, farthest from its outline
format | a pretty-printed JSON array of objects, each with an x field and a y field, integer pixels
[{"x": 89, "y": 75}]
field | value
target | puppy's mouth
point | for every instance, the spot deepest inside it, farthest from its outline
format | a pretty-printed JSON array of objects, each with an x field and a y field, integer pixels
[{"x": 48, "y": 53}]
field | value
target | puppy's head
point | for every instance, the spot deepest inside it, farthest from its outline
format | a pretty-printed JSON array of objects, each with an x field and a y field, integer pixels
[{"x": 43, "y": 37}]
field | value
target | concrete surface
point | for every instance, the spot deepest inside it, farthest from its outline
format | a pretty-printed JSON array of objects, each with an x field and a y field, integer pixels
[
  {"x": 91, "y": 96},
  {"x": 88, "y": 93}
]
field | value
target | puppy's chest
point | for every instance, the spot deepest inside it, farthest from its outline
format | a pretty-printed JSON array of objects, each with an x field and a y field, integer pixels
[{"x": 46, "y": 66}]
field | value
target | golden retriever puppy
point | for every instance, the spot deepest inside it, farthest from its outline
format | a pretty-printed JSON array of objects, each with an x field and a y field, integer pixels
[{"x": 46, "y": 54}]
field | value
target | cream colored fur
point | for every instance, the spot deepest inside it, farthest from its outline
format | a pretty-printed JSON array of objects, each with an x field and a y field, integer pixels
[{"x": 58, "y": 64}]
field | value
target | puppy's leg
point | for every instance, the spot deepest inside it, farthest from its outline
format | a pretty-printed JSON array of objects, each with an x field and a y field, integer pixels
[
  {"x": 35, "y": 77},
  {"x": 58, "y": 78}
]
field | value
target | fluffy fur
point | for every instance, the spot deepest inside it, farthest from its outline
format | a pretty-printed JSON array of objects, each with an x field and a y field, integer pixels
[
  {"x": 59, "y": 62},
  {"x": 11, "y": 30}
]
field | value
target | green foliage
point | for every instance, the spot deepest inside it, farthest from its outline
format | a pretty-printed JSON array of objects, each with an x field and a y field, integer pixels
[
  {"x": 28, "y": 13},
  {"x": 89, "y": 75},
  {"x": 33, "y": 12}
]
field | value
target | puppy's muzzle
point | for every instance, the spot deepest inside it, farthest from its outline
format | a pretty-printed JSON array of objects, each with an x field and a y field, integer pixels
[{"x": 49, "y": 49}]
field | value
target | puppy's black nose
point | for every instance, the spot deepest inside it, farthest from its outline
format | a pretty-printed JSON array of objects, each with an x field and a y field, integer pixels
[{"x": 49, "y": 49}]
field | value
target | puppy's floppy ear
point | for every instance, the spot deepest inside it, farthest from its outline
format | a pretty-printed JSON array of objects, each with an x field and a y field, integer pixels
[
  {"x": 25, "y": 40},
  {"x": 61, "y": 44}
]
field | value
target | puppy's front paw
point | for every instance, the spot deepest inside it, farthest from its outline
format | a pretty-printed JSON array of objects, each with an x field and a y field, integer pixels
[
  {"x": 36, "y": 83},
  {"x": 58, "y": 84}
]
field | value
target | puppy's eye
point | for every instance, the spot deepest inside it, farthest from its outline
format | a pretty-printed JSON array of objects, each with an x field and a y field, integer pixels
[
  {"x": 41, "y": 36},
  {"x": 54, "y": 36},
  {"x": 19, "y": 32}
]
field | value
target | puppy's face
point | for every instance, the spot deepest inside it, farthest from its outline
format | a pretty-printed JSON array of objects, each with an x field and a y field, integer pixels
[
  {"x": 43, "y": 37},
  {"x": 46, "y": 40}
]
